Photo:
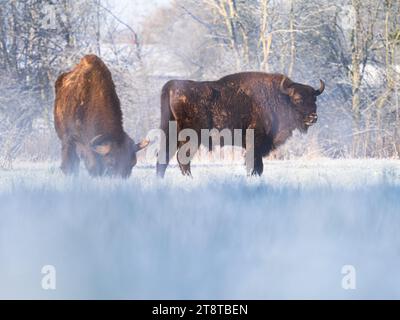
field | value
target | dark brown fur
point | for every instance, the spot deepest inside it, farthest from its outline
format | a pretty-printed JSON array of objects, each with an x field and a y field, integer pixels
[
  {"x": 88, "y": 121},
  {"x": 271, "y": 104}
]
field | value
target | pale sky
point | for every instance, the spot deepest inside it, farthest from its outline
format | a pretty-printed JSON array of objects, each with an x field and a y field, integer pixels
[{"x": 134, "y": 11}]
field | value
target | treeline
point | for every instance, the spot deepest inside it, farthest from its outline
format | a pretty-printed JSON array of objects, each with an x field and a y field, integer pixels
[{"x": 352, "y": 45}]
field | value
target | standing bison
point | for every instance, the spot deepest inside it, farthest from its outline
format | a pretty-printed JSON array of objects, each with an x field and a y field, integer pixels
[
  {"x": 88, "y": 121},
  {"x": 270, "y": 104}
]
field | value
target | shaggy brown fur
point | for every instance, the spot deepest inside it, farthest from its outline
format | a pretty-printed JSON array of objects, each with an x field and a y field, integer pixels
[
  {"x": 271, "y": 104},
  {"x": 88, "y": 121}
]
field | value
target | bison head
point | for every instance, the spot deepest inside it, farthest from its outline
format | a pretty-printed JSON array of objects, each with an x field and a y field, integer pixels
[
  {"x": 117, "y": 157},
  {"x": 303, "y": 98}
]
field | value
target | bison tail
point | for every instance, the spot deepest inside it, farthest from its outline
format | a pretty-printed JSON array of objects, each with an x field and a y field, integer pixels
[{"x": 166, "y": 113}]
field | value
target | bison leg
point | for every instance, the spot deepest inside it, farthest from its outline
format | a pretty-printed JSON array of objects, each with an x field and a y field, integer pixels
[
  {"x": 70, "y": 159},
  {"x": 162, "y": 167},
  {"x": 254, "y": 164},
  {"x": 185, "y": 168},
  {"x": 258, "y": 166},
  {"x": 162, "y": 163},
  {"x": 256, "y": 149}
]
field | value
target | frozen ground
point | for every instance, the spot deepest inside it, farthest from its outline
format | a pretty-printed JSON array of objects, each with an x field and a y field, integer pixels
[{"x": 218, "y": 235}]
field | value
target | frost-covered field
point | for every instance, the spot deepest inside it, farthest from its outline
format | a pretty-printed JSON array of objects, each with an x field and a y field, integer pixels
[{"x": 218, "y": 235}]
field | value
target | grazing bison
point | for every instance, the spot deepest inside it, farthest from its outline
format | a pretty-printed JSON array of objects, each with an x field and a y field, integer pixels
[
  {"x": 270, "y": 104},
  {"x": 88, "y": 121}
]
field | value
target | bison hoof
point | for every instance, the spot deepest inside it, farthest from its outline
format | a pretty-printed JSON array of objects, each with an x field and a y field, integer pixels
[
  {"x": 256, "y": 173},
  {"x": 186, "y": 173}
]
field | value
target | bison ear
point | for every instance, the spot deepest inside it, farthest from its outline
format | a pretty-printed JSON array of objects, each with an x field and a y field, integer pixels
[
  {"x": 141, "y": 145},
  {"x": 101, "y": 144},
  {"x": 285, "y": 86}
]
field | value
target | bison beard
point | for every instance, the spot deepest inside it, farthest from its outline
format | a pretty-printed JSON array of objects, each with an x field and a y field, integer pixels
[
  {"x": 88, "y": 121},
  {"x": 270, "y": 104}
]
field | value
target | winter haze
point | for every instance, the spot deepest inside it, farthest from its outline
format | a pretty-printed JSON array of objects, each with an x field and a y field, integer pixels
[{"x": 328, "y": 200}]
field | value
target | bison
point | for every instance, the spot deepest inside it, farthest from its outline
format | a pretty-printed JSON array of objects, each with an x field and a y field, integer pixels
[
  {"x": 270, "y": 104},
  {"x": 88, "y": 121}
]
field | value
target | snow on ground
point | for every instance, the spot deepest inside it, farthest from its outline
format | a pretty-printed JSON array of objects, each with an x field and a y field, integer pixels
[{"x": 218, "y": 235}]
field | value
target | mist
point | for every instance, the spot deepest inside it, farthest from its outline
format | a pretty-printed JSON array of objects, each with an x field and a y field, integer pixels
[{"x": 219, "y": 235}]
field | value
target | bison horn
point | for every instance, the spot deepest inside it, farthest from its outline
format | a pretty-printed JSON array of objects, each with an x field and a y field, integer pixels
[
  {"x": 321, "y": 88},
  {"x": 283, "y": 87},
  {"x": 141, "y": 145}
]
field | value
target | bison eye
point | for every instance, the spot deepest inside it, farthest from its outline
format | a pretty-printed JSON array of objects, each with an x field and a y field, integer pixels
[{"x": 298, "y": 100}]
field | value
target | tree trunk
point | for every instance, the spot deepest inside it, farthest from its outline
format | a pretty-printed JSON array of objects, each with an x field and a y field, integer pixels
[
  {"x": 356, "y": 75},
  {"x": 292, "y": 40}
]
